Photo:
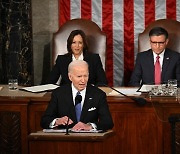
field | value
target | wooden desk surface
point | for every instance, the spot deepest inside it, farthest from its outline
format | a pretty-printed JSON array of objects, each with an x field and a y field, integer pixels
[{"x": 40, "y": 135}]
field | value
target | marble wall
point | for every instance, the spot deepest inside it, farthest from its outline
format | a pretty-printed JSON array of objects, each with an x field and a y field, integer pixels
[
  {"x": 44, "y": 23},
  {"x": 26, "y": 28},
  {"x": 16, "y": 41}
]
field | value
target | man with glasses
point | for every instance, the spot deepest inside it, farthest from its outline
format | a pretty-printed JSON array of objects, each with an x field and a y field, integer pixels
[{"x": 158, "y": 64}]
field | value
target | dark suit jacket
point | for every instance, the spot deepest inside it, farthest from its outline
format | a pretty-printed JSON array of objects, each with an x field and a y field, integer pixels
[
  {"x": 61, "y": 104},
  {"x": 144, "y": 68},
  {"x": 96, "y": 73}
]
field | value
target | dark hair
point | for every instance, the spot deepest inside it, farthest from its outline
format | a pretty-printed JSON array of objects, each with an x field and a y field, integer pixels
[
  {"x": 156, "y": 31},
  {"x": 71, "y": 37}
]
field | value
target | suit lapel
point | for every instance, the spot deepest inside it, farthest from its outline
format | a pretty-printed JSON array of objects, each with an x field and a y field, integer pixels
[
  {"x": 150, "y": 65},
  {"x": 87, "y": 103},
  {"x": 70, "y": 103},
  {"x": 165, "y": 64}
]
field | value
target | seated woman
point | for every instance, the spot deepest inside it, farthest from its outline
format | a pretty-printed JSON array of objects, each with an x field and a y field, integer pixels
[{"x": 78, "y": 50}]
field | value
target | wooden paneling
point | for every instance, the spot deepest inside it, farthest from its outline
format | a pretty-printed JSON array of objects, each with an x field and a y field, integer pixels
[
  {"x": 71, "y": 144},
  {"x": 13, "y": 125}
]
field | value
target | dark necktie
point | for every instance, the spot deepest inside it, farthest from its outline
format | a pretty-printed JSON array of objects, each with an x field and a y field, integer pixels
[
  {"x": 78, "y": 100},
  {"x": 157, "y": 71}
]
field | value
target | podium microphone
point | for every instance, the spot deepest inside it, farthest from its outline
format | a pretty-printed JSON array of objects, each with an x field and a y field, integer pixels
[
  {"x": 139, "y": 100},
  {"x": 67, "y": 127}
]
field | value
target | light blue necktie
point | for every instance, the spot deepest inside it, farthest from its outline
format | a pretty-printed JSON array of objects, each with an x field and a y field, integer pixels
[{"x": 78, "y": 100}]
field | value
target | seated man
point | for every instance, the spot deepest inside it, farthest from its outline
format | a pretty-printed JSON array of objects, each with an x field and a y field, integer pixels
[
  {"x": 81, "y": 106},
  {"x": 158, "y": 64}
]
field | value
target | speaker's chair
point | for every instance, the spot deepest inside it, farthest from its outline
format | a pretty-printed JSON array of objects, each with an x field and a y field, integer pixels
[
  {"x": 95, "y": 37},
  {"x": 173, "y": 28}
]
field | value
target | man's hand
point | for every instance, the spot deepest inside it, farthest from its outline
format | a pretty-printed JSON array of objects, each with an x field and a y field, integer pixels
[
  {"x": 63, "y": 121},
  {"x": 82, "y": 126}
]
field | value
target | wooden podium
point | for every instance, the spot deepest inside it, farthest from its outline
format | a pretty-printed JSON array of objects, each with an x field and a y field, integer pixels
[{"x": 74, "y": 143}]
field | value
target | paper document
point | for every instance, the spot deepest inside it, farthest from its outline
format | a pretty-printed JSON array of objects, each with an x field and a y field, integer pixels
[
  {"x": 70, "y": 131},
  {"x": 145, "y": 88},
  {"x": 86, "y": 131},
  {"x": 40, "y": 88},
  {"x": 54, "y": 130},
  {"x": 1, "y": 88},
  {"x": 126, "y": 91}
]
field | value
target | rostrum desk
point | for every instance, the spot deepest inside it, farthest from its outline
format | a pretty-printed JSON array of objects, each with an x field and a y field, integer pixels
[
  {"x": 74, "y": 143},
  {"x": 138, "y": 129}
]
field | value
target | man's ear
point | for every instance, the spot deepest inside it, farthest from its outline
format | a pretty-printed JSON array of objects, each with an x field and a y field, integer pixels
[
  {"x": 167, "y": 40},
  {"x": 70, "y": 76}
]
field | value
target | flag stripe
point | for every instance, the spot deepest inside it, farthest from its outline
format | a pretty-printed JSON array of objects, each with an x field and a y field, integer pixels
[
  {"x": 128, "y": 39},
  {"x": 64, "y": 11},
  {"x": 118, "y": 41},
  {"x": 149, "y": 11},
  {"x": 86, "y": 9},
  {"x": 171, "y": 9},
  {"x": 138, "y": 24},
  {"x": 107, "y": 27},
  {"x": 75, "y": 9},
  {"x": 160, "y": 9},
  {"x": 178, "y": 10},
  {"x": 97, "y": 12}
]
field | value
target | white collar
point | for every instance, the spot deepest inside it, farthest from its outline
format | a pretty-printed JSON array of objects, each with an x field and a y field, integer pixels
[{"x": 81, "y": 57}]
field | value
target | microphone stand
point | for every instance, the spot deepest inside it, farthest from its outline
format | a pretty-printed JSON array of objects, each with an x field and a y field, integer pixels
[
  {"x": 67, "y": 127},
  {"x": 139, "y": 100}
]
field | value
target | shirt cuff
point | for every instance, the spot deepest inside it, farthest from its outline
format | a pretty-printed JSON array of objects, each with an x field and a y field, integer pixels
[
  {"x": 51, "y": 125},
  {"x": 93, "y": 125}
]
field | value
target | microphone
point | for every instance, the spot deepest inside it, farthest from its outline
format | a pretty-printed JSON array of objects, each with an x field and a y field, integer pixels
[
  {"x": 78, "y": 99},
  {"x": 139, "y": 100}
]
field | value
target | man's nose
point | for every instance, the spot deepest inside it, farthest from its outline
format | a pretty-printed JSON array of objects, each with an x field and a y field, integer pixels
[
  {"x": 157, "y": 44},
  {"x": 82, "y": 79}
]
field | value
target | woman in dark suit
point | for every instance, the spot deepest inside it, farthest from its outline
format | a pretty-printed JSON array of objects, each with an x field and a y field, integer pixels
[{"x": 78, "y": 50}]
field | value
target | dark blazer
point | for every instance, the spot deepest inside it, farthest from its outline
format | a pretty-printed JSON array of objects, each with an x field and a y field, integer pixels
[
  {"x": 144, "y": 68},
  {"x": 61, "y": 104},
  {"x": 96, "y": 72}
]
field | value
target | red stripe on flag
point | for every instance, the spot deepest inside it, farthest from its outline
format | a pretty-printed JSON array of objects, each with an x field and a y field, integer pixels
[
  {"x": 107, "y": 27},
  {"x": 64, "y": 11},
  {"x": 86, "y": 9},
  {"x": 171, "y": 9},
  {"x": 128, "y": 39},
  {"x": 149, "y": 11}
]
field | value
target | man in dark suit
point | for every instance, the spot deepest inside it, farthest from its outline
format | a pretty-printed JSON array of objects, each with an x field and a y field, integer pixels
[
  {"x": 144, "y": 70},
  {"x": 61, "y": 110}
]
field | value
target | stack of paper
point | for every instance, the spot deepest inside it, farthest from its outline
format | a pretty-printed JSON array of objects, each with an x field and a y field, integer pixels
[{"x": 41, "y": 88}]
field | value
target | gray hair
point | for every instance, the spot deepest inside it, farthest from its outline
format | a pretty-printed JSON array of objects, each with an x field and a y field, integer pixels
[{"x": 76, "y": 63}]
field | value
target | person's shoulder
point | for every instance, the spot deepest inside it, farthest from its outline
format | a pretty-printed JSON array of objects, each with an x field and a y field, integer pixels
[
  {"x": 92, "y": 57},
  {"x": 95, "y": 89},
  {"x": 63, "y": 56},
  {"x": 89, "y": 54},
  {"x": 62, "y": 88},
  {"x": 172, "y": 52},
  {"x": 145, "y": 52}
]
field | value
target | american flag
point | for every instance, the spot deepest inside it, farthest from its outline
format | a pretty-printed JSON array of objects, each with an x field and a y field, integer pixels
[{"x": 122, "y": 21}]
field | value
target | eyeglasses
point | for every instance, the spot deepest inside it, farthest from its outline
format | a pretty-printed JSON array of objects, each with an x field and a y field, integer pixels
[{"x": 160, "y": 43}]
